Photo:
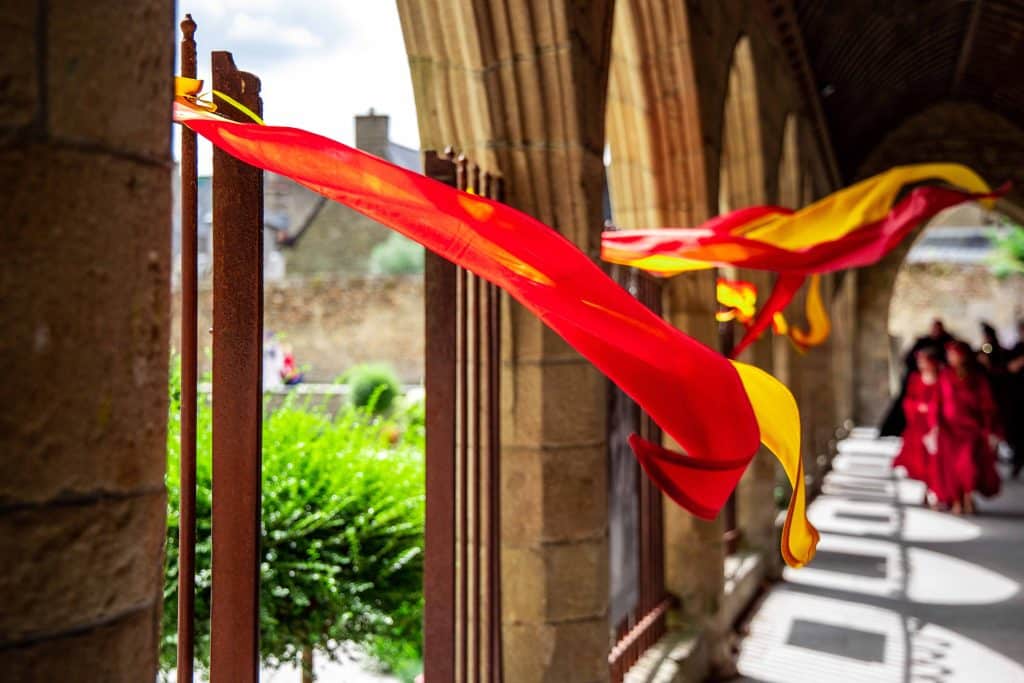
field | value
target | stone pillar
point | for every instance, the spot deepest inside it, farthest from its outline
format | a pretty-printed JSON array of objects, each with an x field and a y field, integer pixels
[
  {"x": 871, "y": 339},
  {"x": 843, "y": 312},
  {"x": 84, "y": 279},
  {"x": 520, "y": 87},
  {"x": 694, "y": 548},
  {"x": 755, "y": 495}
]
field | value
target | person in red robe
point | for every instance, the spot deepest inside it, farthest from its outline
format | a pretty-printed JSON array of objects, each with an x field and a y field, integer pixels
[
  {"x": 921, "y": 407},
  {"x": 968, "y": 433}
]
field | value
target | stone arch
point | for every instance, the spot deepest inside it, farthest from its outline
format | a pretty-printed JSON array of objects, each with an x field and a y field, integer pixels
[
  {"x": 950, "y": 131},
  {"x": 741, "y": 170},
  {"x": 656, "y": 175},
  {"x": 520, "y": 87},
  {"x": 792, "y": 183}
]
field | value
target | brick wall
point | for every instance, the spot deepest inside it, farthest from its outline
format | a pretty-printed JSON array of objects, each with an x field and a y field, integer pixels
[{"x": 961, "y": 296}]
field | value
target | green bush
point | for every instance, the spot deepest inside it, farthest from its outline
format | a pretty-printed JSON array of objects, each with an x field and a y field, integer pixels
[
  {"x": 342, "y": 535},
  {"x": 373, "y": 387},
  {"x": 396, "y": 255},
  {"x": 1008, "y": 253}
]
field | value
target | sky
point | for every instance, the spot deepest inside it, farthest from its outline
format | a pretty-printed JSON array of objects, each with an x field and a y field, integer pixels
[{"x": 320, "y": 62}]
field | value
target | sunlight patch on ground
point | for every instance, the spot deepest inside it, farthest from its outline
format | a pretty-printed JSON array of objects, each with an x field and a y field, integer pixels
[{"x": 799, "y": 638}]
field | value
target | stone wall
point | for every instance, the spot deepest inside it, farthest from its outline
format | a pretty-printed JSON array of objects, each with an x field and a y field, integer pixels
[
  {"x": 962, "y": 296},
  {"x": 947, "y": 132},
  {"x": 333, "y": 323},
  {"x": 84, "y": 278}
]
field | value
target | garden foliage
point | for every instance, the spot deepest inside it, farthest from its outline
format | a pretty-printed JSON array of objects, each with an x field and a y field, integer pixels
[{"x": 342, "y": 533}]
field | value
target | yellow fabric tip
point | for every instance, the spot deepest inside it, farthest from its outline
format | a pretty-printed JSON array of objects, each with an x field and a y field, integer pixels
[
  {"x": 778, "y": 418},
  {"x": 819, "y": 324}
]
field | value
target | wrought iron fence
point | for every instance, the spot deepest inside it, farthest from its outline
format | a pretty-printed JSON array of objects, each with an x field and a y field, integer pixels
[
  {"x": 237, "y": 390},
  {"x": 635, "y": 511},
  {"x": 462, "y": 560}
]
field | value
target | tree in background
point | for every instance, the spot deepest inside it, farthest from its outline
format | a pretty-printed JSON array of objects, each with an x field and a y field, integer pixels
[
  {"x": 342, "y": 535},
  {"x": 1008, "y": 257}
]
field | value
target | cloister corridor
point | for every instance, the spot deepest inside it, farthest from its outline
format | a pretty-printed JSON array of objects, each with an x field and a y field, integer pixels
[{"x": 897, "y": 592}]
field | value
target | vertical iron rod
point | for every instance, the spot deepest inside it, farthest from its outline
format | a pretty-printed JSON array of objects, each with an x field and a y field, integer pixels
[
  {"x": 477, "y": 409},
  {"x": 462, "y": 181},
  {"x": 237, "y": 396},
  {"x": 189, "y": 375},
  {"x": 439, "y": 589},
  {"x": 497, "y": 666}
]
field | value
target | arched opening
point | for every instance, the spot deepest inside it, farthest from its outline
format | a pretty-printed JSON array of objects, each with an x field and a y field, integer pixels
[
  {"x": 944, "y": 273},
  {"x": 741, "y": 170},
  {"x": 949, "y": 132},
  {"x": 741, "y": 182}
]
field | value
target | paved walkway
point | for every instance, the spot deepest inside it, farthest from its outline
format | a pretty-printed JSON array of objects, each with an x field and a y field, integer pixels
[{"x": 897, "y": 592}]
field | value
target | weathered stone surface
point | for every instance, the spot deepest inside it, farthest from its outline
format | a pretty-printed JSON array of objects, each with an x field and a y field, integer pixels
[
  {"x": 84, "y": 283},
  {"x": 105, "y": 52},
  {"x": 559, "y": 403},
  {"x": 122, "y": 651},
  {"x": 334, "y": 323},
  {"x": 694, "y": 552},
  {"x": 558, "y": 494},
  {"x": 557, "y": 652},
  {"x": 19, "y": 87},
  {"x": 755, "y": 503},
  {"x": 85, "y": 355},
  {"x": 69, "y": 567}
]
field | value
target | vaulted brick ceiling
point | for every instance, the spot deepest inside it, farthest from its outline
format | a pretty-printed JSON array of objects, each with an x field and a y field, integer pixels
[{"x": 877, "y": 62}]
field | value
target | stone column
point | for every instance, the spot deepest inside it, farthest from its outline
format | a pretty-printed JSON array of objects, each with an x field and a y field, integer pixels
[
  {"x": 85, "y": 213},
  {"x": 520, "y": 87},
  {"x": 755, "y": 495},
  {"x": 694, "y": 549}
]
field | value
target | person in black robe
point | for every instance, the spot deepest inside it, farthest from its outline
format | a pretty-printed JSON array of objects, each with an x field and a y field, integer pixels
[
  {"x": 937, "y": 338},
  {"x": 1014, "y": 418}
]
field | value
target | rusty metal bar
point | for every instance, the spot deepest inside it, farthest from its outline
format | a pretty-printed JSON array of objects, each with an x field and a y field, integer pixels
[
  {"x": 625, "y": 647},
  {"x": 439, "y": 379},
  {"x": 497, "y": 192},
  {"x": 462, "y": 181},
  {"x": 189, "y": 375},
  {"x": 463, "y": 606},
  {"x": 476, "y": 510},
  {"x": 237, "y": 395}
]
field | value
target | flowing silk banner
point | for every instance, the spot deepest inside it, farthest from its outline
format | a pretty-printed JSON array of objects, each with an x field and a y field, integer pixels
[
  {"x": 850, "y": 228},
  {"x": 717, "y": 410},
  {"x": 739, "y": 301}
]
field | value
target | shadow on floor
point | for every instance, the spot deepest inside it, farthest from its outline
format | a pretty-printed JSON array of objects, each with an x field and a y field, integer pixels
[{"x": 897, "y": 592}]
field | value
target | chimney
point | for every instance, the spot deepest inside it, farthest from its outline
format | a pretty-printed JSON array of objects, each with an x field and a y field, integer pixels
[{"x": 372, "y": 133}]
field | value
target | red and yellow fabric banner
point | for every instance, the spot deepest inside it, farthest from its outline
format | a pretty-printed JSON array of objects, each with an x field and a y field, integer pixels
[
  {"x": 850, "y": 228},
  {"x": 739, "y": 301},
  {"x": 717, "y": 410}
]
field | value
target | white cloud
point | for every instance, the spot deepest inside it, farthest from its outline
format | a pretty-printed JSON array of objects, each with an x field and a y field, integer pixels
[
  {"x": 263, "y": 28},
  {"x": 320, "y": 63}
]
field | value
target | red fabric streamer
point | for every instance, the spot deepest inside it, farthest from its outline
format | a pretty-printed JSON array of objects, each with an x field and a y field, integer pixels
[{"x": 694, "y": 394}]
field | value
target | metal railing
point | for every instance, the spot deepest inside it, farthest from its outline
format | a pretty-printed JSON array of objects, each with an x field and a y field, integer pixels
[
  {"x": 462, "y": 560},
  {"x": 645, "y": 623},
  {"x": 237, "y": 390}
]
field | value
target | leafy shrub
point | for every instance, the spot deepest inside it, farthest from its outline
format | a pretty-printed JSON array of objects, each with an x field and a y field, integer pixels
[
  {"x": 1008, "y": 254},
  {"x": 372, "y": 386},
  {"x": 342, "y": 536},
  {"x": 396, "y": 255}
]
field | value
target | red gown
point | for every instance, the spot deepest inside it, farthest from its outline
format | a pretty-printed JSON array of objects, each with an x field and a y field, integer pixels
[
  {"x": 966, "y": 460},
  {"x": 921, "y": 407}
]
